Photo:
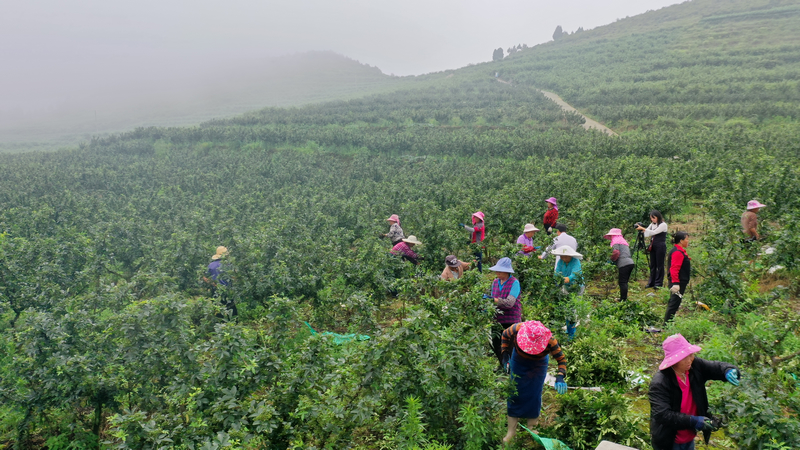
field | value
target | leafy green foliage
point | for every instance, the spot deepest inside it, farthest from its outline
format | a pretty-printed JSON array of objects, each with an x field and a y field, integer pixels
[{"x": 585, "y": 418}]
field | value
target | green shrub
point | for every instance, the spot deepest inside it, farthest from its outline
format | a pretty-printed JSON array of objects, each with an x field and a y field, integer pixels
[{"x": 585, "y": 418}]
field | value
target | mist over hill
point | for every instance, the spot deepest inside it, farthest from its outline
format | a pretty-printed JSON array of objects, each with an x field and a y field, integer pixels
[{"x": 191, "y": 97}]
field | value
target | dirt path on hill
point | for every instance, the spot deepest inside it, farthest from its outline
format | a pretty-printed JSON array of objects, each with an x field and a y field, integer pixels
[{"x": 567, "y": 107}]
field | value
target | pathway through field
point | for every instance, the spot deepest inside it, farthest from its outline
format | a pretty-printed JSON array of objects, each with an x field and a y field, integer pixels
[{"x": 589, "y": 123}]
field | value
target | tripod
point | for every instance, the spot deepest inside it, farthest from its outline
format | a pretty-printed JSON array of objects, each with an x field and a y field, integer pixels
[{"x": 638, "y": 246}]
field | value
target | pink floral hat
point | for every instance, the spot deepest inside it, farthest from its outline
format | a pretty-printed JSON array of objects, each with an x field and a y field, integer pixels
[
  {"x": 753, "y": 204},
  {"x": 676, "y": 347},
  {"x": 394, "y": 218},
  {"x": 533, "y": 337}
]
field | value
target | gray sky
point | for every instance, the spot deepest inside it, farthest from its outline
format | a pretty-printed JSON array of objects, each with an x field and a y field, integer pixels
[{"x": 52, "y": 50}]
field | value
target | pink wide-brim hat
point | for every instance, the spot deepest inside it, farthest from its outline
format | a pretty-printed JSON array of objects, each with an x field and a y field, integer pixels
[
  {"x": 394, "y": 218},
  {"x": 676, "y": 347},
  {"x": 479, "y": 215},
  {"x": 552, "y": 200},
  {"x": 753, "y": 204},
  {"x": 613, "y": 232},
  {"x": 533, "y": 337}
]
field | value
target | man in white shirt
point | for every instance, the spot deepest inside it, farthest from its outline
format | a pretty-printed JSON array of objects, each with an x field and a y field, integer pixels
[{"x": 561, "y": 239}]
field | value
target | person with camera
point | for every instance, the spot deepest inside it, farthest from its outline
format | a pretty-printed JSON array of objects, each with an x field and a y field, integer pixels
[
  {"x": 621, "y": 256},
  {"x": 680, "y": 267},
  {"x": 678, "y": 399},
  {"x": 657, "y": 232}
]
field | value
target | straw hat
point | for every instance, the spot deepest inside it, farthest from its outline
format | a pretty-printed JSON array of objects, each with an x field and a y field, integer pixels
[
  {"x": 504, "y": 265},
  {"x": 676, "y": 347},
  {"x": 412, "y": 240},
  {"x": 533, "y": 336},
  {"x": 753, "y": 204},
  {"x": 566, "y": 250},
  {"x": 530, "y": 227},
  {"x": 221, "y": 251},
  {"x": 613, "y": 232}
]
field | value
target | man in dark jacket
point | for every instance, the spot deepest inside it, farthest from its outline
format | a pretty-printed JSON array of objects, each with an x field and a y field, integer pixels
[{"x": 678, "y": 399}]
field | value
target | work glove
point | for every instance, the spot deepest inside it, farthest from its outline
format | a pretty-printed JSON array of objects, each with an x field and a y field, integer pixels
[
  {"x": 549, "y": 229},
  {"x": 527, "y": 249},
  {"x": 506, "y": 358},
  {"x": 461, "y": 225},
  {"x": 732, "y": 375},
  {"x": 675, "y": 289},
  {"x": 701, "y": 423},
  {"x": 561, "y": 386},
  {"x": 537, "y": 247}
]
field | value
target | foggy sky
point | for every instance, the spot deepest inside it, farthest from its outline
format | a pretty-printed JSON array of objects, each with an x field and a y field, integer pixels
[{"x": 55, "y": 50}]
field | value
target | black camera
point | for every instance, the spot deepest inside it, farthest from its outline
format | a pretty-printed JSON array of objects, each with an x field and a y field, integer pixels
[{"x": 638, "y": 224}]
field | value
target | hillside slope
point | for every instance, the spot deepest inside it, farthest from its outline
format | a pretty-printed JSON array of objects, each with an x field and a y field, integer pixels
[{"x": 706, "y": 61}]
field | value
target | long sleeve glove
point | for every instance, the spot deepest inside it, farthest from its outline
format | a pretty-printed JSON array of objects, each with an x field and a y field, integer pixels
[
  {"x": 675, "y": 289},
  {"x": 701, "y": 423},
  {"x": 528, "y": 249},
  {"x": 561, "y": 386},
  {"x": 732, "y": 375},
  {"x": 506, "y": 358},
  {"x": 461, "y": 225}
]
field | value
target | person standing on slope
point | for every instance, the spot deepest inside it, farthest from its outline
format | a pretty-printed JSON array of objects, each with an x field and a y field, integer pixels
[
  {"x": 657, "y": 232},
  {"x": 551, "y": 215},
  {"x": 395, "y": 233},
  {"x": 526, "y": 350},
  {"x": 621, "y": 256},
  {"x": 478, "y": 230}
]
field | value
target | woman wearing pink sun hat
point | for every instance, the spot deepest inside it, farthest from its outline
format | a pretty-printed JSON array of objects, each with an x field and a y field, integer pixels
[
  {"x": 526, "y": 348},
  {"x": 678, "y": 400},
  {"x": 750, "y": 220}
]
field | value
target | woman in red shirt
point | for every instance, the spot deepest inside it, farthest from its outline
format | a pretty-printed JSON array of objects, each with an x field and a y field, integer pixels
[{"x": 551, "y": 215}]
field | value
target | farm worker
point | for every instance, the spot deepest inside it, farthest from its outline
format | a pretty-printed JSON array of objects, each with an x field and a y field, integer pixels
[
  {"x": 551, "y": 215},
  {"x": 657, "y": 232},
  {"x": 478, "y": 230},
  {"x": 453, "y": 268},
  {"x": 621, "y": 256},
  {"x": 403, "y": 248},
  {"x": 395, "y": 233},
  {"x": 568, "y": 269},
  {"x": 526, "y": 239},
  {"x": 217, "y": 272},
  {"x": 526, "y": 350},
  {"x": 561, "y": 239},
  {"x": 750, "y": 220},
  {"x": 680, "y": 265},
  {"x": 678, "y": 400},
  {"x": 505, "y": 293}
]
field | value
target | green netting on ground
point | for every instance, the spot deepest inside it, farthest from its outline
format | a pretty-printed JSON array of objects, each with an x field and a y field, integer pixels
[
  {"x": 338, "y": 338},
  {"x": 549, "y": 444}
]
